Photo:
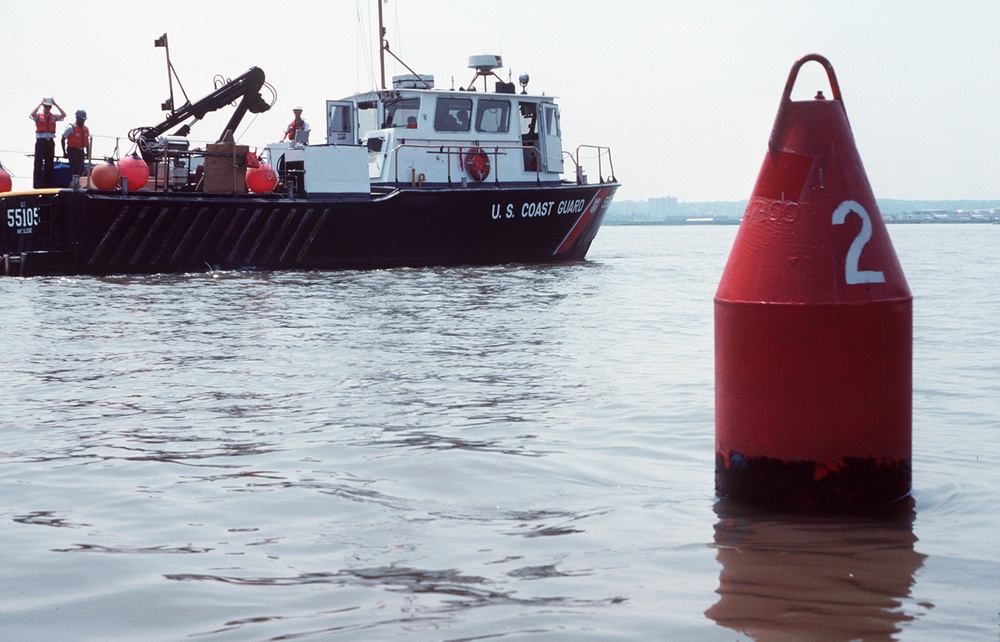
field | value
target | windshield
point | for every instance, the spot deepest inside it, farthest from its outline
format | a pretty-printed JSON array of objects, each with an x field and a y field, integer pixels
[{"x": 401, "y": 112}]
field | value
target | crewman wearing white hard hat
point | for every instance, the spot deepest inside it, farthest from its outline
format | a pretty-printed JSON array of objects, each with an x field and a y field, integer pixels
[
  {"x": 45, "y": 144},
  {"x": 297, "y": 125}
]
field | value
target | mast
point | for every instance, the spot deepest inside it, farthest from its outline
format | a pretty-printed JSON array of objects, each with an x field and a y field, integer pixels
[
  {"x": 381, "y": 43},
  {"x": 384, "y": 47}
]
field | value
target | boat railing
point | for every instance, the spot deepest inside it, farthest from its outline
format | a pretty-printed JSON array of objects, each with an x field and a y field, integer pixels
[
  {"x": 461, "y": 151},
  {"x": 596, "y": 151}
]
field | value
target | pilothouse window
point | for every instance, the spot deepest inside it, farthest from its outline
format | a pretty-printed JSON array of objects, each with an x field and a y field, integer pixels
[
  {"x": 340, "y": 118},
  {"x": 453, "y": 114},
  {"x": 399, "y": 112},
  {"x": 552, "y": 121},
  {"x": 367, "y": 116},
  {"x": 492, "y": 116}
]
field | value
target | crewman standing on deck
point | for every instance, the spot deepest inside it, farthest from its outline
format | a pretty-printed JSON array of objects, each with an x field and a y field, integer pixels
[
  {"x": 296, "y": 125},
  {"x": 45, "y": 143},
  {"x": 76, "y": 144}
]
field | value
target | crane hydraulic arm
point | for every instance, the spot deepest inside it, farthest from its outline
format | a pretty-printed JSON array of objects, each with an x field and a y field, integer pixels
[{"x": 247, "y": 87}]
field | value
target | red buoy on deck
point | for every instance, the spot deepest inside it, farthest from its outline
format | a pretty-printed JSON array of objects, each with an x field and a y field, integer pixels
[
  {"x": 261, "y": 179},
  {"x": 813, "y": 327},
  {"x": 5, "y": 181},
  {"x": 135, "y": 170}
]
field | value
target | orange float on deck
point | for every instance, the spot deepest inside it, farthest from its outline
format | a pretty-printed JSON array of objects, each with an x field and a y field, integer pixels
[
  {"x": 813, "y": 328},
  {"x": 105, "y": 176}
]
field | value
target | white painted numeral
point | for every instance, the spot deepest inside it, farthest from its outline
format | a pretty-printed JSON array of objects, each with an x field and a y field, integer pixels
[{"x": 852, "y": 274}]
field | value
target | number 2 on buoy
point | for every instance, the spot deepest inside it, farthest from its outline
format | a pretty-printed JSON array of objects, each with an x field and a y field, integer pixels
[{"x": 852, "y": 274}]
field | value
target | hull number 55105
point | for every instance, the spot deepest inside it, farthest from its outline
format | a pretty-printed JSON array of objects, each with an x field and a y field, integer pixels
[{"x": 22, "y": 218}]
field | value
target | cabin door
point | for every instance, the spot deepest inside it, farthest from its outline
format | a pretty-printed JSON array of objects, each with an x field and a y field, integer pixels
[
  {"x": 341, "y": 123},
  {"x": 529, "y": 135},
  {"x": 552, "y": 158}
]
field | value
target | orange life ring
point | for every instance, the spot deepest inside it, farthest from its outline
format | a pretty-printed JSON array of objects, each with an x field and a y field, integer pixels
[{"x": 477, "y": 164}]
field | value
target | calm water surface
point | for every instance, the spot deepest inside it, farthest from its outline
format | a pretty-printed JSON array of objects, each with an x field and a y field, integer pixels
[{"x": 477, "y": 453}]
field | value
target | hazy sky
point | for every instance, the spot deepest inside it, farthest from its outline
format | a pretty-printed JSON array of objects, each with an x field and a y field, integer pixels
[{"x": 684, "y": 92}]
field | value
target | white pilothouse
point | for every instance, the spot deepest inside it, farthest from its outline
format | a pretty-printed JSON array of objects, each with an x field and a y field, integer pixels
[{"x": 420, "y": 136}]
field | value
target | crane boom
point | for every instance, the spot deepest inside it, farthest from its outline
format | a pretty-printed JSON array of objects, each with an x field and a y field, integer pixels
[{"x": 246, "y": 87}]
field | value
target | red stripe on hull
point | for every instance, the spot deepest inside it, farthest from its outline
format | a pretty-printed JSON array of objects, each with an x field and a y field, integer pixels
[{"x": 592, "y": 209}]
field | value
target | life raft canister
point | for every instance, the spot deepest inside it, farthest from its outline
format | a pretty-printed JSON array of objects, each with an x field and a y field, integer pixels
[{"x": 477, "y": 164}]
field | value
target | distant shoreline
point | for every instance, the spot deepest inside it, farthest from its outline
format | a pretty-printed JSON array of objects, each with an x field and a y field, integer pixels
[{"x": 670, "y": 211}]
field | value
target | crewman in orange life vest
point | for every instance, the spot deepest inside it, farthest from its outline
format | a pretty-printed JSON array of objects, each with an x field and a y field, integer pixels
[
  {"x": 297, "y": 125},
  {"x": 76, "y": 144},
  {"x": 45, "y": 144}
]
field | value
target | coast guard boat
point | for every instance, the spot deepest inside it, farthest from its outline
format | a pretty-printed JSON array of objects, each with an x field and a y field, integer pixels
[{"x": 409, "y": 175}]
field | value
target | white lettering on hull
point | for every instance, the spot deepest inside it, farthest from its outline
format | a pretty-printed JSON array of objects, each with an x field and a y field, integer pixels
[
  {"x": 24, "y": 219},
  {"x": 499, "y": 211}
]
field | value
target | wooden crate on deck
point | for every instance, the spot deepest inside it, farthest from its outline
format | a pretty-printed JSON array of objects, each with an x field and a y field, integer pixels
[{"x": 225, "y": 168}]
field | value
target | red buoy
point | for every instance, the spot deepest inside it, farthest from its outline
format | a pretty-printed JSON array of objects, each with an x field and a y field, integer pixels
[
  {"x": 261, "y": 179},
  {"x": 105, "y": 176},
  {"x": 813, "y": 327},
  {"x": 135, "y": 170},
  {"x": 5, "y": 181}
]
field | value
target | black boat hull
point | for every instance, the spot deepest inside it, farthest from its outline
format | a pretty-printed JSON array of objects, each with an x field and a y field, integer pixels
[{"x": 68, "y": 232}]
